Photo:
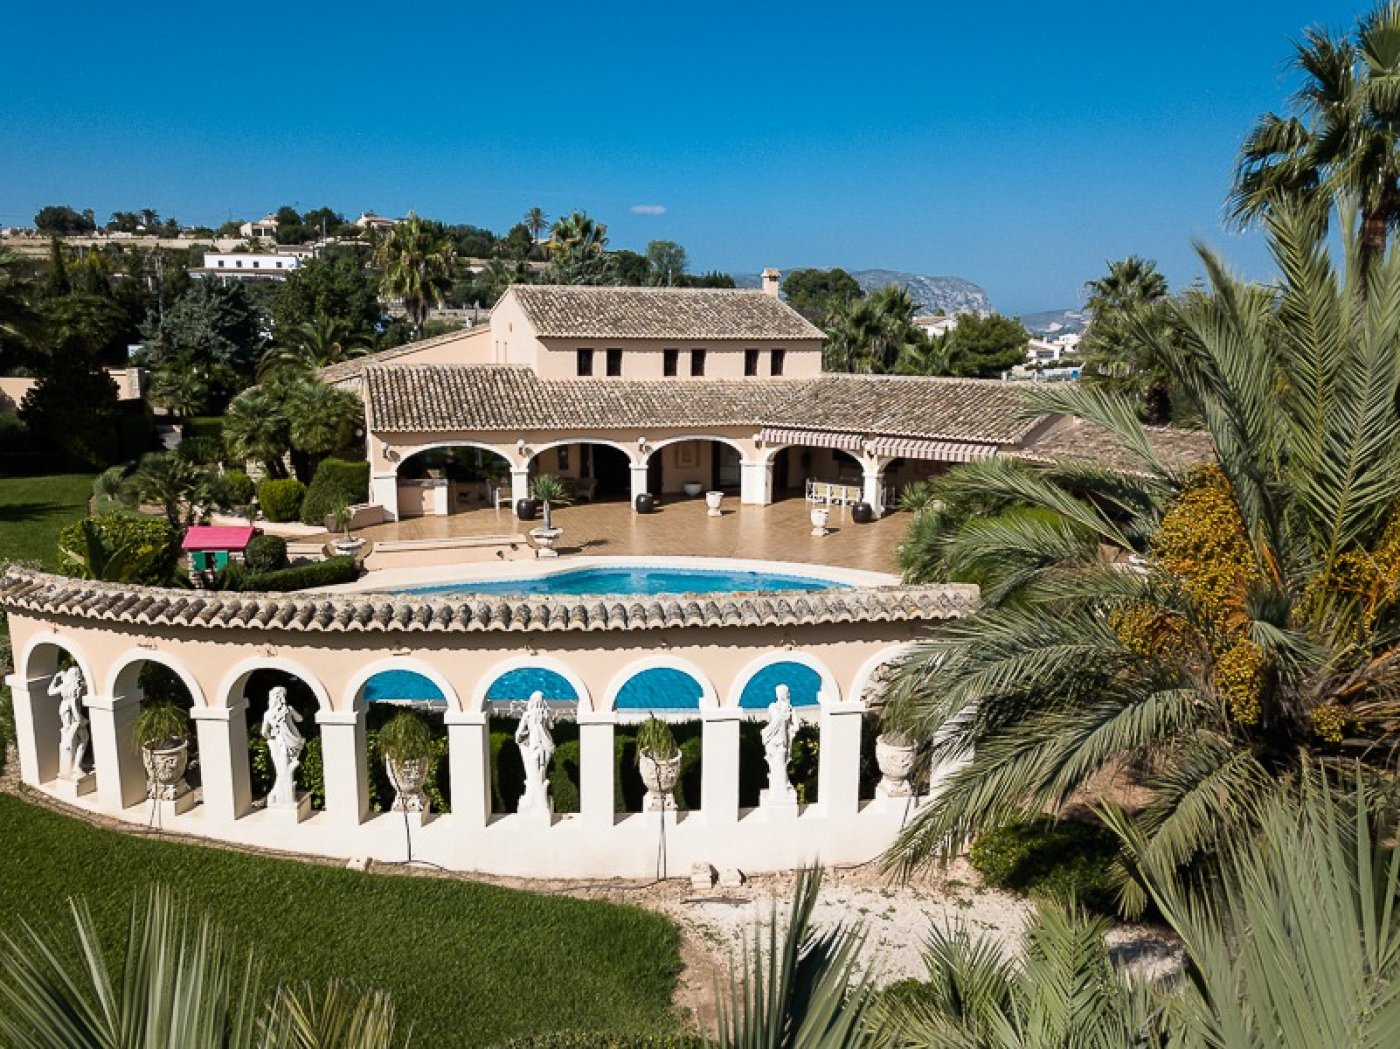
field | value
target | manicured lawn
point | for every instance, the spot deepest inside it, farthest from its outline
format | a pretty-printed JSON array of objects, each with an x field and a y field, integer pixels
[
  {"x": 34, "y": 509},
  {"x": 467, "y": 964}
]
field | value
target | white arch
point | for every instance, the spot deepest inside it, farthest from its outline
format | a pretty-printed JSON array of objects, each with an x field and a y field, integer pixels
[
  {"x": 828, "y": 694},
  {"x": 733, "y": 442},
  {"x": 235, "y": 678},
  {"x": 406, "y": 454},
  {"x": 630, "y": 452},
  {"x": 709, "y": 698},
  {"x": 497, "y": 670},
  {"x": 133, "y": 656},
  {"x": 354, "y": 700},
  {"x": 871, "y": 666},
  {"x": 49, "y": 638}
]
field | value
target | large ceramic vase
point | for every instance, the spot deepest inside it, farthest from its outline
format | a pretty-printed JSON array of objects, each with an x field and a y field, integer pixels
[
  {"x": 862, "y": 513},
  {"x": 820, "y": 516},
  {"x": 660, "y": 778},
  {"x": 693, "y": 488},
  {"x": 646, "y": 503},
  {"x": 408, "y": 778},
  {"x": 546, "y": 539},
  {"x": 165, "y": 770},
  {"x": 526, "y": 509},
  {"x": 896, "y": 761}
]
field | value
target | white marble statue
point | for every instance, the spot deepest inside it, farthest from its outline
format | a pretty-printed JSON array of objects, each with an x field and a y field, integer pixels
[
  {"x": 777, "y": 744},
  {"x": 536, "y": 750},
  {"x": 73, "y": 726},
  {"x": 285, "y": 743}
]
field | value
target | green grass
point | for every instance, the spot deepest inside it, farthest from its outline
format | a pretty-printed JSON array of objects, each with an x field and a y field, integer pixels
[
  {"x": 467, "y": 964},
  {"x": 33, "y": 510}
]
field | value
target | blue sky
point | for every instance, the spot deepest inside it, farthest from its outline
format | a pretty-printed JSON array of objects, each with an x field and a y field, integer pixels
[{"x": 1019, "y": 145}]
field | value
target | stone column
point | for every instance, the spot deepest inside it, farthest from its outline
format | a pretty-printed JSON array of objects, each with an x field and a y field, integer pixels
[
  {"x": 595, "y": 744},
  {"x": 223, "y": 760},
  {"x": 36, "y": 728},
  {"x": 121, "y": 777},
  {"x": 469, "y": 766},
  {"x": 756, "y": 482},
  {"x": 640, "y": 479},
  {"x": 838, "y": 776},
  {"x": 343, "y": 756},
  {"x": 519, "y": 488},
  {"x": 873, "y": 489},
  {"x": 384, "y": 490},
  {"x": 719, "y": 769}
]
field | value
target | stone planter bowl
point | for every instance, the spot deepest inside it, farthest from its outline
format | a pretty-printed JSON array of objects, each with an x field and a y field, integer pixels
[
  {"x": 819, "y": 518},
  {"x": 660, "y": 778},
  {"x": 896, "y": 761},
  {"x": 546, "y": 539},
  {"x": 693, "y": 488},
  {"x": 713, "y": 500},
  {"x": 408, "y": 778},
  {"x": 165, "y": 770}
]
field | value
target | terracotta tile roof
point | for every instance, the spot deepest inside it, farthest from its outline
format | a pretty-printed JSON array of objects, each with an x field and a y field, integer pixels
[
  {"x": 425, "y": 397},
  {"x": 25, "y": 591},
  {"x": 683, "y": 314},
  {"x": 1070, "y": 438},
  {"x": 350, "y": 369}
]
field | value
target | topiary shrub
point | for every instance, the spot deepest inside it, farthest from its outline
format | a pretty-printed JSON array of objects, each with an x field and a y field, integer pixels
[
  {"x": 337, "y": 482},
  {"x": 265, "y": 553},
  {"x": 240, "y": 486},
  {"x": 281, "y": 499},
  {"x": 329, "y": 572},
  {"x": 1042, "y": 856}
]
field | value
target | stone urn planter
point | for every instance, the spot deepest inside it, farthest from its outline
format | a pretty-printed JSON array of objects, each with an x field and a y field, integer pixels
[
  {"x": 408, "y": 778},
  {"x": 646, "y": 503},
  {"x": 348, "y": 546},
  {"x": 165, "y": 770},
  {"x": 862, "y": 513},
  {"x": 660, "y": 777},
  {"x": 713, "y": 501},
  {"x": 820, "y": 516},
  {"x": 545, "y": 541},
  {"x": 693, "y": 488},
  {"x": 896, "y": 760},
  {"x": 526, "y": 509}
]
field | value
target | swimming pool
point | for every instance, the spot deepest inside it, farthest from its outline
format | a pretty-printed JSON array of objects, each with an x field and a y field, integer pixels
[{"x": 637, "y": 579}]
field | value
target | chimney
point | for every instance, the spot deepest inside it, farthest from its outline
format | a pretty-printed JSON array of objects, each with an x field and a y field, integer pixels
[{"x": 771, "y": 279}]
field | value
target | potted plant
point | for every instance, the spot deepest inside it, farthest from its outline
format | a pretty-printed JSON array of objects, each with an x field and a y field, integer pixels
[
  {"x": 550, "y": 491},
  {"x": 895, "y": 752},
  {"x": 341, "y": 516},
  {"x": 820, "y": 516},
  {"x": 161, "y": 730},
  {"x": 406, "y": 743},
  {"x": 659, "y": 762}
]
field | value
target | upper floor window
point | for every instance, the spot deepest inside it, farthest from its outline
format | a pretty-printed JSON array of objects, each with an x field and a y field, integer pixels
[
  {"x": 775, "y": 362},
  {"x": 615, "y": 363},
  {"x": 585, "y": 362},
  {"x": 697, "y": 362},
  {"x": 670, "y": 363},
  {"x": 750, "y": 362}
]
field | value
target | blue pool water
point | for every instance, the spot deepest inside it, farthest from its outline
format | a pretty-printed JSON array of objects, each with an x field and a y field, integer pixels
[{"x": 638, "y": 580}]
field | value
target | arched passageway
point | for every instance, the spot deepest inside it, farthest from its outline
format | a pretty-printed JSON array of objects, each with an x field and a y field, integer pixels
[
  {"x": 593, "y": 470},
  {"x": 453, "y": 479},
  {"x": 817, "y": 474},
  {"x": 679, "y": 466}
]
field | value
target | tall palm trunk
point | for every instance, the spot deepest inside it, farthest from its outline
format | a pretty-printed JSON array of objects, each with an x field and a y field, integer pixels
[{"x": 1375, "y": 231}]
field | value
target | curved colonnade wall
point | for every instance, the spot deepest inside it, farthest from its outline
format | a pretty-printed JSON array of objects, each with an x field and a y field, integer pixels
[{"x": 732, "y": 647}]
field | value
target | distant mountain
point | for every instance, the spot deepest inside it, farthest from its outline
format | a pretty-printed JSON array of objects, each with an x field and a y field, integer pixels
[
  {"x": 1057, "y": 322},
  {"x": 949, "y": 294}
]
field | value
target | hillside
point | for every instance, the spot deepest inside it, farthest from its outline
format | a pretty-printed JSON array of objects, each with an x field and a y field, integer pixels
[{"x": 949, "y": 294}]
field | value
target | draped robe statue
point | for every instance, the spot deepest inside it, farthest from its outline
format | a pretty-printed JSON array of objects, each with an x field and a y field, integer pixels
[
  {"x": 536, "y": 745},
  {"x": 284, "y": 743},
  {"x": 73, "y": 734},
  {"x": 777, "y": 743}
]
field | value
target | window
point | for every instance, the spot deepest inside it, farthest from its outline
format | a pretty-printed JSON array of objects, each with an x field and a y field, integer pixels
[
  {"x": 670, "y": 363},
  {"x": 585, "y": 362},
  {"x": 221, "y": 264},
  {"x": 750, "y": 362},
  {"x": 775, "y": 362},
  {"x": 614, "y": 363},
  {"x": 697, "y": 362}
]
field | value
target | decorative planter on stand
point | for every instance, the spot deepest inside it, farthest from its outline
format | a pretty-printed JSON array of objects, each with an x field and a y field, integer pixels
[
  {"x": 713, "y": 501},
  {"x": 646, "y": 503},
  {"x": 408, "y": 778},
  {"x": 545, "y": 541},
  {"x": 896, "y": 761},
  {"x": 862, "y": 513},
  {"x": 660, "y": 778},
  {"x": 165, "y": 777},
  {"x": 820, "y": 516},
  {"x": 348, "y": 546}
]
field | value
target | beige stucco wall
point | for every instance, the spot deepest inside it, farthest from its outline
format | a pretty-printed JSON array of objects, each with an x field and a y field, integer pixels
[{"x": 645, "y": 358}]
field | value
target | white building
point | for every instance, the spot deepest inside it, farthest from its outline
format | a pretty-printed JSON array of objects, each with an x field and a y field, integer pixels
[
  {"x": 264, "y": 228},
  {"x": 369, "y": 220},
  {"x": 242, "y": 265},
  {"x": 935, "y": 325}
]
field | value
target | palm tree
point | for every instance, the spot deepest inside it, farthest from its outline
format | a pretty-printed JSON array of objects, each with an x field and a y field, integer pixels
[
  {"x": 17, "y": 317},
  {"x": 1263, "y": 630},
  {"x": 180, "y": 487},
  {"x": 873, "y": 333},
  {"x": 180, "y": 984},
  {"x": 323, "y": 419},
  {"x": 1341, "y": 143},
  {"x": 578, "y": 251},
  {"x": 417, "y": 262},
  {"x": 536, "y": 221},
  {"x": 318, "y": 343},
  {"x": 255, "y": 427},
  {"x": 1131, "y": 295}
]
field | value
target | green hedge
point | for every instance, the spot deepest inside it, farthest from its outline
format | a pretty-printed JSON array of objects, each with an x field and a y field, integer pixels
[
  {"x": 120, "y": 529},
  {"x": 1041, "y": 856},
  {"x": 211, "y": 426},
  {"x": 265, "y": 553},
  {"x": 281, "y": 499},
  {"x": 336, "y": 481},
  {"x": 302, "y": 577}
]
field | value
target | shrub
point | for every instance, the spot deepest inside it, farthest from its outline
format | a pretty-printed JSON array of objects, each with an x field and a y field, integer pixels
[
  {"x": 265, "y": 553},
  {"x": 240, "y": 487},
  {"x": 281, "y": 499},
  {"x": 406, "y": 737},
  {"x": 655, "y": 740},
  {"x": 337, "y": 481},
  {"x": 1042, "y": 856},
  {"x": 141, "y": 536},
  {"x": 302, "y": 577},
  {"x": 159, "y": 723}
]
